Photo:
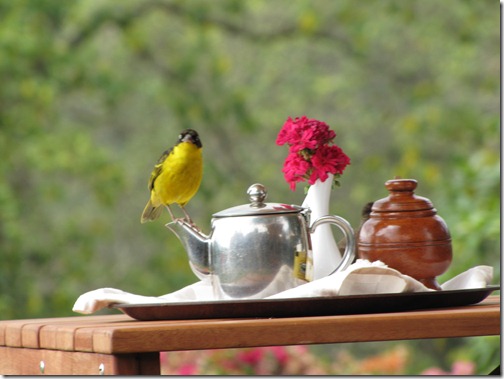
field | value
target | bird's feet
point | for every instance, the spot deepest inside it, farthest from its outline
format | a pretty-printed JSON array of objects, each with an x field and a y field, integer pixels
[
  {"x": 191, "y": 222},
  {"x": 187, "y": 220},
  {"x": 179, "y": 219}
]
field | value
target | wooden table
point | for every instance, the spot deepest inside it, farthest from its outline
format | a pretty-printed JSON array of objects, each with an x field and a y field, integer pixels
[{"x": 117, "y": 344}]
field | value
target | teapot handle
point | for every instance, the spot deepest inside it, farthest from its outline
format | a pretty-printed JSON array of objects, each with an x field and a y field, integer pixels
[{"x": 346, "y": 228}]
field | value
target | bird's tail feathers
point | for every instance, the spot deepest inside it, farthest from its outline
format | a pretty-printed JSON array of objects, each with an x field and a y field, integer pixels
[{"x": 151, "y": 212}]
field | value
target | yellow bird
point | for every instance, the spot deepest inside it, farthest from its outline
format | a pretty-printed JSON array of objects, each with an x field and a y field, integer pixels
[{"x": 176, "y": 176}]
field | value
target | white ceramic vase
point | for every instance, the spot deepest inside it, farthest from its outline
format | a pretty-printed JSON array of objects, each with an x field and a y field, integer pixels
[{"x": 326, "y": 255}]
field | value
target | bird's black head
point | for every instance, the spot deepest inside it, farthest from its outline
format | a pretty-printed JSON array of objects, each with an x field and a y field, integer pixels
[{"x": 190, "y": 135}]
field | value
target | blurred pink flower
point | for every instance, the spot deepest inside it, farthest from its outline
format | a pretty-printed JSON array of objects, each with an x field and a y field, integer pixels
[
  {"x": 163, "y": 357},
  {"x": 188, "y": 369},
  {"x": 458, "y": 368},
  {"x": 280, "y": 353},
  {"x": 251, "y": 357},
  {"x": 463, "y": 368}
]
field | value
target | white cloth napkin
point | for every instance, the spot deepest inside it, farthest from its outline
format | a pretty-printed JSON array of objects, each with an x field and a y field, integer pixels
[{"x": 362, "y": 277}]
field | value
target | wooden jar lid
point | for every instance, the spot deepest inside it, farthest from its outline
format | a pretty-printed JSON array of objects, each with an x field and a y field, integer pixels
[{"x": 402, "y": 198}]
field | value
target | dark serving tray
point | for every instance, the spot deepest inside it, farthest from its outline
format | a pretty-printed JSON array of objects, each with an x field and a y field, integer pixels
[{"x": 306, "y": 306}]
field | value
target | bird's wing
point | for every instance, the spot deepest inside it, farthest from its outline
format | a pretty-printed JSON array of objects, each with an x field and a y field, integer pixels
[{"x": 158, "y": 168}]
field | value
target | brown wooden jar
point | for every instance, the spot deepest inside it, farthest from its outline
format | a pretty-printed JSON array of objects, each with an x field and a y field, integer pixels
[{"x": 405, "y": 232}]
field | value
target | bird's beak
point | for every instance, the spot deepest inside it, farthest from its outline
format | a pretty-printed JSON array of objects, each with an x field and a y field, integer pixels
[{"x": 187, "y": 138}]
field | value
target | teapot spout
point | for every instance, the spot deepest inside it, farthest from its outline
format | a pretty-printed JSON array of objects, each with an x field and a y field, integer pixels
[{"x": 196, "y": 245}]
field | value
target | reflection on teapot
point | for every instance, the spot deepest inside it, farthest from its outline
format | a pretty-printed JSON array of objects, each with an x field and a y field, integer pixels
[{"x": 251, "y": 249}]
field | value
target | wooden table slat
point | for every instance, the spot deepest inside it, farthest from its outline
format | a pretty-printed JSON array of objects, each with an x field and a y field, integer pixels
[
  {"x": 25, "y": 333},
  {"x": 61, "y": 336},
  {"x": 326, "y": 329},
  {"x": 79, "y": 345},
  {"x": 120, "y": 334}
]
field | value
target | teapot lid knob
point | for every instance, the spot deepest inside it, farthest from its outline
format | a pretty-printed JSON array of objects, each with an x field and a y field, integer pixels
[{"x": 257, "y": 194}]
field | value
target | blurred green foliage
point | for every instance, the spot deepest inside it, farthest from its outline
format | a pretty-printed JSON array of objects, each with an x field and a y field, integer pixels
[{"x": 93, "y": 91}]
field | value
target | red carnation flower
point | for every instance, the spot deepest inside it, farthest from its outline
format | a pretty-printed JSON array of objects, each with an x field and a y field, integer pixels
[{"x": 312, "y": 155}]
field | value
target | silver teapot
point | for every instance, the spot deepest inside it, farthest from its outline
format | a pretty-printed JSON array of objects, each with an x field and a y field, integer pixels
[{"x": 253, "y": 249}]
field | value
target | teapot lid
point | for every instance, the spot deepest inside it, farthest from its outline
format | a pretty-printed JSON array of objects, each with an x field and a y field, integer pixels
[
  {"x": 257, "y": 194},
  {"x": 402, "y": 198}
]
